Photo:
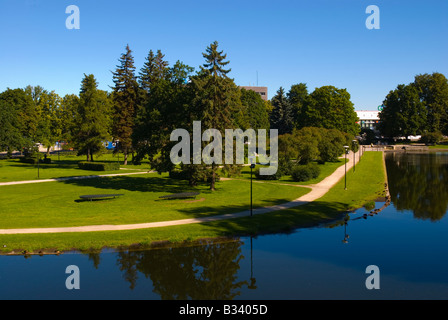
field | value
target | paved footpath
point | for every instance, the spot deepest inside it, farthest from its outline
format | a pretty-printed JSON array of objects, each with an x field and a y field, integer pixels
[{"x": 317, "y": 191}]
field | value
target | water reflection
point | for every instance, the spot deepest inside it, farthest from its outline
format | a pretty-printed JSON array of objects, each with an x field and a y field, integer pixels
[
  {"x": 204, "y": 271},
  {"x": 419, "y": 182}
]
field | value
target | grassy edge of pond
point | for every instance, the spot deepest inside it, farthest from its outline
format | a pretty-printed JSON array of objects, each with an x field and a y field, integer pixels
[{"x": 363, "y": 186}]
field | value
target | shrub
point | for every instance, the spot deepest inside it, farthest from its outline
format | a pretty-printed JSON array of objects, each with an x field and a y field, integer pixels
[
  {"x": 305, "y": 172},
  {"x": 431, "y": 137},
  {"x": 275, "y": 176},
  {"x": 99, "y": 166},
  {"x": 32, "y": 160},
  {"x": 286, "y": 166}
]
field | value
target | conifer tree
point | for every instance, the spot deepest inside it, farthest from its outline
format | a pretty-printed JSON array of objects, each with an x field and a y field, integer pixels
[
  {"x": 126, "y": 97},
  {"x": 93, "y": 118},
  {"x": 282, "y": 115},
  {"x": 217, "y": 97}
]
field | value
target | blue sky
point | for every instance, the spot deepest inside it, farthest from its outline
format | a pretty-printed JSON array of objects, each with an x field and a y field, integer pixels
[{"x": 317, "y": 42}]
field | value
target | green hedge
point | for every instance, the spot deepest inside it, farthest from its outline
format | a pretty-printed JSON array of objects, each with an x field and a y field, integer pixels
[
  {"x": 33, "y": 160},
  {"x": 275, "y": 176},
  {"x": 305, "y": 172},
  {"x": 99, "y": 166}
]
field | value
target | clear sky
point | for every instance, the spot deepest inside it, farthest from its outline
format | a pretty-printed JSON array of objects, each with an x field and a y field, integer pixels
[{"x": 317, "y": 42}]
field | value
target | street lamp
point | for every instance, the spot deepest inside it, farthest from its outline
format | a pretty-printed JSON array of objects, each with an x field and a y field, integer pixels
[
  {"x": 118, "y": 149},
  {"x": 252, "y": 165},
  {"x": 345, "y": 176},
  {"x": 354, "y": 153}
]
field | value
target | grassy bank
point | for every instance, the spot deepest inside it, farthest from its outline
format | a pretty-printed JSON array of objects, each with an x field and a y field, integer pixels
[{"x": 366, "y": 183}]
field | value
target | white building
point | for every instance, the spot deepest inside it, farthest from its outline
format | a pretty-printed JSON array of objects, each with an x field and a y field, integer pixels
[{"x": 368, "y": 119}]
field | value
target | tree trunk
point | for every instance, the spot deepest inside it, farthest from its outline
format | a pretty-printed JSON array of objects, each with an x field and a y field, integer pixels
[
  {"x": 125, "y": 152},
  {"x": 88, "y": 154},
  {"x": 212, "y": 183}
]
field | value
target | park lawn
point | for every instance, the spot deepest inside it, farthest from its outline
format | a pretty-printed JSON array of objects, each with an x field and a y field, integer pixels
[
  {"x": 439, "y": 146},
  {"x": 14, "y": 170},
  {"x": 56, "y": 204},
  {"x": 369, "y": 177}
]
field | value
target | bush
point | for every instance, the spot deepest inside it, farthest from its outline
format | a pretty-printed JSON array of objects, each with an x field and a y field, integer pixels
[
  {"x": 275, "y": 176},
  {"x": 99, "y": 166},
  {"x": 431, "y": 137},
  {"x": 286, "y": 166},
  {"x": 33, "y": 160},
  {"x": 305, "y": 172}
]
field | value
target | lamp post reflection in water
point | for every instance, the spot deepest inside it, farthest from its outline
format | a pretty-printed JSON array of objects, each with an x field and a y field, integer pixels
[
  {"x": 252, "y": 279},
  {"x": 346, "y": 236}
]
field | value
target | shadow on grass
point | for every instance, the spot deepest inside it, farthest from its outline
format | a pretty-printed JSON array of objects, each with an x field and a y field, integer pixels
[{"x": 141, "y": 184}]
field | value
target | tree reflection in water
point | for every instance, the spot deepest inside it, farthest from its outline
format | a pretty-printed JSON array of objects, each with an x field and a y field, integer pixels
[
  {"x": 419, "y": 182},
  {"x": 205, "y": 271}
]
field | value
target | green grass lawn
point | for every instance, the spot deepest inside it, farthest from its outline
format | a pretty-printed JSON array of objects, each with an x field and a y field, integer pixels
[
  {"x": 53, "y": 204},
  {"x": 439, "y": 146},
  {"x": 56, "y": 204},
  {"x": 67, "y": 166}
]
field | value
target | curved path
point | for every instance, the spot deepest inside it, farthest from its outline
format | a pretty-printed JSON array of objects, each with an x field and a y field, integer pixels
[{"x": 317, "y": 191}]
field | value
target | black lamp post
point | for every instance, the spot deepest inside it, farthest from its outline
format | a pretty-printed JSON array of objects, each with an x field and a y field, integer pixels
[
  {"x": 252, "y": 165},
  {"x": 118, "y": 150},
  {"x": 354, "y": 153},
  {"x": 345, "y": 176}
]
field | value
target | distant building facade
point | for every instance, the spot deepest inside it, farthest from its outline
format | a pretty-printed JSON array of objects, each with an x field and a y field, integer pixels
[
  {"x": 368, "y": 119},
  {"x": 262, "y": 91}
]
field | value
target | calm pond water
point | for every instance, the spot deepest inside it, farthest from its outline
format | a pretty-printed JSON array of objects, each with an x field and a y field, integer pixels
[{"x": 407, "y": 241}]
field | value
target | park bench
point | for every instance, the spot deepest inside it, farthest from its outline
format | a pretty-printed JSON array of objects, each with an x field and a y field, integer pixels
[
  {"x": 99, "y": 196},
  {"x": 181, "y": 195}
]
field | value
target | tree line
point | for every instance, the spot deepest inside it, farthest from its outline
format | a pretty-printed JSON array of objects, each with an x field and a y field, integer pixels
[
  {"x": 144, "y": 106},
  {"x": 417, "y": 108}
]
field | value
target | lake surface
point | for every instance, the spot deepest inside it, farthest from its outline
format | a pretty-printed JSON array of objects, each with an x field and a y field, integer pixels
[{"x": 407, "y": 241}]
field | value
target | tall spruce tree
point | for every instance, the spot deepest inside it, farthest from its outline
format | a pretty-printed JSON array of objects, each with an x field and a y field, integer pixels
[
  {"x": 93, "y": 118},
  {"x": 216, "y": 96},
  {"x": 154, "y": 69},
  {"x": 282, "y": 114},
  {"x": 127, "y": 99}
]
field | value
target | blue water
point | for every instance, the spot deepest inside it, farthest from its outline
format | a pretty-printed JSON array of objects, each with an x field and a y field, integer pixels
[{"x": 410, "y": 252}]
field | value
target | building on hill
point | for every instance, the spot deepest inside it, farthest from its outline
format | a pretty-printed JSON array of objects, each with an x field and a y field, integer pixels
[{"x": 262, "y": 91}]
